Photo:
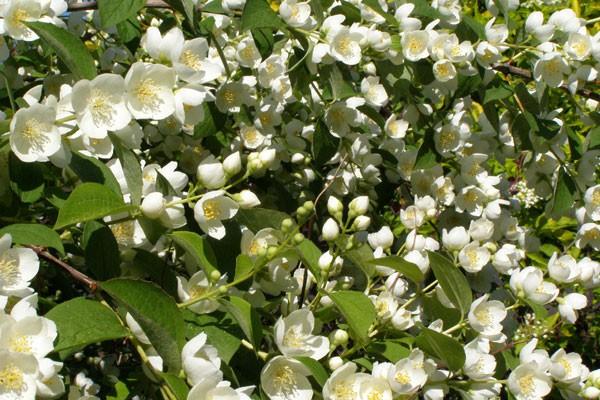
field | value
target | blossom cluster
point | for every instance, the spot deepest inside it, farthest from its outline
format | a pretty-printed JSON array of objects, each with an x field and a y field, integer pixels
[{"x": 377, "y": 144}]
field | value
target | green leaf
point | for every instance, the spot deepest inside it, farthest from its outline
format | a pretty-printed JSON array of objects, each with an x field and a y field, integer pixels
[
  {"x": 177, "y": 385},
  {"x": 427, "y": 156},
  {"x": 375, "y": 6},
  {"x": 90, "y": 169},
  {"x": 34, "y": 234},
  {"x": 443, "y": 347},
  {"x": 406, "y": 268},
  {"x": 361, "y": 257},
  {"x": 358, "y": 311},
  {"x": 157, "y": 314},
  {"x": 114, "y": 11},
  {"x": 392, "y": 351},
  {"x": 324, "y": 144},
  {"x": 68, "y": 47},
  {"x": 315, "y": 368},
  {"x": 424, "y": 9},
  {"x": 246, "y": 317},
  {"x": 453, "y": 282},
  {"x": 593, "y": 138},
  {"x": 527, "y": 100},
  {"x": 81, "y": 322},
  {"x": 470, "y": 29},
  {"x": 243, "y": 266},
  {"x": 198, "y": 248},
  {"x": 309, "y": 254},
  {"x": 264, "y": 40},
  {"x": 258, "y": 218},
  {"x": 434, "y": 309},
  {"x": 499, "y": 92},
  {"x": 185, "y": 7},
  {"x": 340, "y": 85},
  {"x": 90, "y": 201},
  {"x": 131, "y": 169},
  {"x": 26, "y": 179},
  {"x": 102, "y": 254},
  {"x": 258, "y": 14},
  {"x": 157, "y": 270},
  {"x": 221, "y": 332},
  {"x": 564, "y": 195}
]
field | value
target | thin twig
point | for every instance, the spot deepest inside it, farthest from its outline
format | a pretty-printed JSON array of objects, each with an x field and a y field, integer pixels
[
  {"x": 507, "y": 69},
  {"x": 92, "y": 5},
  {"x": 90, "y": 283}
]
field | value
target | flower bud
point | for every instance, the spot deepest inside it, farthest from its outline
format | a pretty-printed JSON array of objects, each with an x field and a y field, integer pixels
[
  {"x": 210, "y": 173},
  {"x": 334, "y": 206},
  {"x": 339, "y": 337},
  {"x": 232, "y": 164},
  {"x": 330, "y": 230},
  {"x": 359, "y": 205},
  {"x": 335, "y": 363},
  {"x": 297, "y": 158},
  {"x": 456, "y": 239},
  {"x": 298, "y": 238},
  {"x": 215, "y": 275},
  {"x": 153, "y": 205},
  {"x": 361, "y": 223},
  {"x": 246, "y": 199},
  {"x": 267, "y": 156},
  {"x": 287, "y": 224}
]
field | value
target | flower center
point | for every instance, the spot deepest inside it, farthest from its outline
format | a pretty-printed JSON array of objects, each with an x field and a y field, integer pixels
[
  {"x": 527, "y": 384},
  {"x": 284, "y": 379},
  {"x": 596, "y": 198},
  {"x": 191, "y": 60},
  {"x": 123, "y": 232},
  {"x": 11, "y": 379},
  {"x": 100, "y": 106},
  {"x": 18, "y": 17},
  {"x": 343, "y": 392},
  {"x": 483, "y": 315},
  {"x": 198, "y": 291},
  {"x": 292, "y": 338},
  {"x": 345, "y": 46},
  {"x": 34, "y": 133},
  {"x": 9, "y": 270},
  {"x": 402, "y": 378},
  {"x": 147, "y": 92},
  {"x": 229, "y": 97},
  {"x": 20, "y": 344},
  {"x": 211, "y": 210},
  {"x": 375, "y": 395}
]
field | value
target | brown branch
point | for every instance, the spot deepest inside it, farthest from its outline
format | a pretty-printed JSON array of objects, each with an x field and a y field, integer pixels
[
  {"x": 91, "y": 284},
  {"x": 92, "y": 5},
  {"x": 508, "y": 69}
]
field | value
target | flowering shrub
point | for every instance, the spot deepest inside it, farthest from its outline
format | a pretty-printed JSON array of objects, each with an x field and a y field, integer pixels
[{"x": 295, "y": 200}]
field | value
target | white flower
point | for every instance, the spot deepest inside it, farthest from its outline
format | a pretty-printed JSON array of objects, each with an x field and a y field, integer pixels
[
  {"x": 211, "y": 209},
  {"x": 247, "y": 54},
  {"x": 396, "y": 128},
  {"x": 412, "y": 217},
  {"x": 579, "y": 46},
  {"x": 408, "y": 375},
  {"x": 16, "y": 13},
  {"x": 212, "y": 387},
  {"x": 251, "y": 137},
  {"x": 231, "y": 96},
  {"x": 563, "y": 269},
  {"x": 30, "y": 335},
  {"x": 293, "y": 336},
  {"x": 150, "y": 91},
  {"x": 153, "y": 205},
  {"x": 385, "y": 305},
  {"x": 507, "y": 258},
  {"x": 343, "y": 384},
  {"x": 210, "y": 173},
  {"x": 178, "y": 180},
  {"x": 567, "y": 367},
  {"x": 529, "y": 282},
  {"x": 232, "y": 164},
  {"x": 456, "y": 239},
  {"x": 193, "y": 65},
  {"x": 402, "y": 16},
  {"x": 565, "y": 20},
  {"x": 199, "y": 359},
  {"x": 444, "y": 70},
  {"x": 481, "y": 229},
  {"x": 246, "y": 199},
  {"x": 529, "y": 382},
  {"x": 479, "y": 364},
  {"x": 568, "y": 306},
  {"x": 100, "y": 105},
  {"x": 551, "y": 69},
  {"x": 33, "y": 135},
  {"x": 486, "y": 316},
  {"x": 359, "y": 205},
  {"x": 374, "y": 388},
  {"x": 373, "y": 91},
  {"x": 18, "y": 376},
  {"x": 592, "y": 202},
  {"x": 474, "y": 257},
  {"x": 294, "y": 13},
  {"x": 286, "y": 379},
  {"x": 415, "y": 45},
  {"x": 535, "y": 25},
  {"x": 383, "y": 238},
  {"x": 163, "y": 48},
  {"x": 344, "y": 45},
  {"x": 18, "y": 266},
  {"x": 197, "y": 286},
  {"x": 588, "y": 235}
]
